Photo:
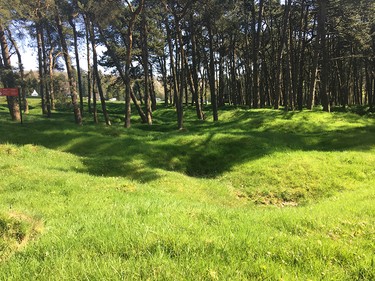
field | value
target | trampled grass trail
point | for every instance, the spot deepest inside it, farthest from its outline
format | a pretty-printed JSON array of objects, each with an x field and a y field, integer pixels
[{"x": 261, "y": 195}]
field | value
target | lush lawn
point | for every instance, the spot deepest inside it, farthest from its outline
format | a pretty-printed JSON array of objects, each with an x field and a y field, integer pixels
[{"x": 261, "y": 195}]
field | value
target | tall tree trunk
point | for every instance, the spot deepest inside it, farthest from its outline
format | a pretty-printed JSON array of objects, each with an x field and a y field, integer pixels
[
  {"x": 69, "y": 68},
  {"x": 172, "y": 60},
  {"x": 94, "y": 98},
  {"x": 194, "y": 71},
  {"x": 163, "y": 67},
  {"x": 113, "y": 55},
  {"x": 128, "y": 88},
  {"x": 256, "y": 28},
  {"x": 8, "y": 78},
  {"x": 313, "y": 76},
  {"x": 372, "y": 96},
  {"x": 302, "y": 53},
  {"x": 212, "y": 79},
  {"x": 144, "y": 34},
  {"x": 51, "y": 79},
  {"x": 79, "y": 76},
  {"x": 322, "y": 32},
  {"x": 39, "y": 34},
  {"x": 97, "y": 76},
  {"x": 89, "y": 89},
  {"x": 50, "y": 70},
  {"x": 25, "y": 104},
  {"x": 180, "y": 96},
  {"x": 283, "y": 41},
  {"x": 47, "y": 99}
]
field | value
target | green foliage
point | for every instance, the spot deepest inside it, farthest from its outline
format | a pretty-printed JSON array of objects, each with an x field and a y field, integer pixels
[{"x": 260, "y": 195}]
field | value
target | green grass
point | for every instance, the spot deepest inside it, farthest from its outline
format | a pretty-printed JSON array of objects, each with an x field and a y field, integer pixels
[{"x": 261, "y": 195}]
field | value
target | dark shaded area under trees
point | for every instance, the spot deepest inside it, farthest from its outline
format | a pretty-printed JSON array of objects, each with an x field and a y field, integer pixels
[{"x": 293, "y": 54}]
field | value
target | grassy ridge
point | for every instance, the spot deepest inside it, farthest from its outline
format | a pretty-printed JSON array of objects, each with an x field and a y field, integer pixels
[{"x": 262, "y": 194}]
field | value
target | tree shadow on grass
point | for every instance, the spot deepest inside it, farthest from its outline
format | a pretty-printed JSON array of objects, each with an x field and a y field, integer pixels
[{"x": 204, "y": 150}]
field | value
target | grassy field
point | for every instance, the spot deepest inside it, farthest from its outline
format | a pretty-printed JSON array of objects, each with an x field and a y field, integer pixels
[{"x": 260, "y": 195}]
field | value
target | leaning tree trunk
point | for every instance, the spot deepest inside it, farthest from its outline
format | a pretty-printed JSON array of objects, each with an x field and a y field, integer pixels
[{"x": 25, "y": 104}]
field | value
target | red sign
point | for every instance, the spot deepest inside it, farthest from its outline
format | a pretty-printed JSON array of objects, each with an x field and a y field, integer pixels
[{"x": 10, "y": 92}]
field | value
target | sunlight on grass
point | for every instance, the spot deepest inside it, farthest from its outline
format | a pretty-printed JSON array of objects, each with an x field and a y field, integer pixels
[{"x": 260, "y": 195}]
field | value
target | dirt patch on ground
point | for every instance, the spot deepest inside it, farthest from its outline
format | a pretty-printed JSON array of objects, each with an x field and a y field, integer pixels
[{"x": 16, "y": 231}]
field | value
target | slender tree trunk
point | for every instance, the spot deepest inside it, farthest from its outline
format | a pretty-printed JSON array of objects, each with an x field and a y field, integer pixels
[
  {"x": 194, "y": 71},
  {"x": 152, "y": 88},
  {"x": 283, "y": 41},
  {"x": 372, "y": 79},
  {"x": 97, "y": 76},
  {"x": 256, "y": 28},
  {"x": 172, "y": 61},
  {"x": 123, "y": 77},
  {"x": 89, "y": 90},
  {"x": 47, "y": 99},
  {"x": 212, "y": 74},
  {"x": 128, "y": 88},
  {"x": 39, "y": 34},
  {"x": 144, "y": 34},
  {"x": 69, "y": 69},
  {"x": 94, "y": 98},
  {"x": 163, "y": 66},
  {"x": 302, "y": 55},
  {"x": 180, "y": 96},
  {"x": 177, "y": 90},
  {"x": 51, "y": 79},
  {"x": 79, "y": 76},
  {"x": 322, "y": 18}
]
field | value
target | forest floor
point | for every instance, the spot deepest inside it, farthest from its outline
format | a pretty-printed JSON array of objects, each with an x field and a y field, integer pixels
[{"x": 260, "y": 195}]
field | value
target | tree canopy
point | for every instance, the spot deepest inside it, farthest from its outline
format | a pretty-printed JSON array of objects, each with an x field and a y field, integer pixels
[{"x": 293, "y": 54}]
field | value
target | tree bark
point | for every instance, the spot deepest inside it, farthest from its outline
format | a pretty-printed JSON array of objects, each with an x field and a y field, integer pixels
[
  {"x": 89, "y": 89},
  {"x": 39, "y": 34},
  {"x": 256, "y": 28},
  {"x": 79, "y": 76},
  {"x": 194, "y": 71},
  {"x": 128, "y": 89},
  {"x": 8, "y": 78},
  {"x": 69, "y": 69},
  {"x": 324, "y": 73},
  {"x": 212, "y": 79},
  {"x": 25, "y": 104},
  {"x": 144, "y": 34},
  {"x": 283, "y": 41},
  {"x": 97, "y": 76}
]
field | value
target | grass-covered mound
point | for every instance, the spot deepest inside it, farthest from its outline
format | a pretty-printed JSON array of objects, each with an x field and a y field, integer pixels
[
  {"x": 16, "y": 230},
  {"x": 260, "y": 195}
]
